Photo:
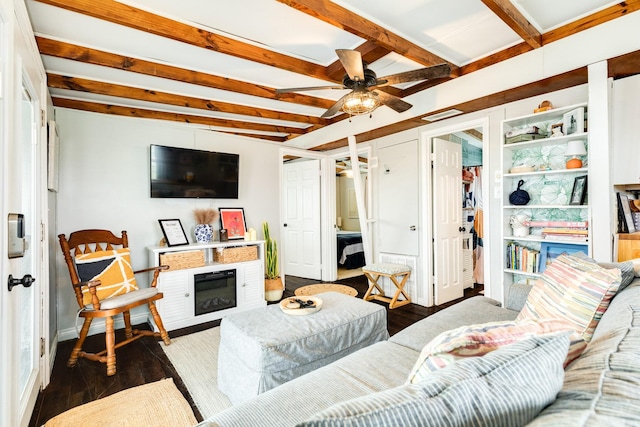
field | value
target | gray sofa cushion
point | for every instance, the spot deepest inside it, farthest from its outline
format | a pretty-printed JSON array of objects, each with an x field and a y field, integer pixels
[
  {"x": 507, "y": 387},
  {"x": 381, "y": 366},
  {"x": 471, "y": 311},
  {"x": 601, "y": 388}
]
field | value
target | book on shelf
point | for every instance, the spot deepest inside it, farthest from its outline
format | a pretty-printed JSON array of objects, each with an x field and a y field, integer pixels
[
  {"x": 566, "y": 224},
  {"x": 567, "y": 238},
  {"x": 569, "y": 231},
  {"x": 522, "y": 258}
]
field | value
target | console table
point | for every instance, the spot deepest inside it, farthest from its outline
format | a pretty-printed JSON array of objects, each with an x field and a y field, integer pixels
[{"x": 177, "y": 308}]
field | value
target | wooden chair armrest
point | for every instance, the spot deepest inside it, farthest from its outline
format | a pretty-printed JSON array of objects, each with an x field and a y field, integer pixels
[
  {"x": 156, "y": 273},
  {"x": 92, "y": 285},
  {"x": 146, "y": 270}
]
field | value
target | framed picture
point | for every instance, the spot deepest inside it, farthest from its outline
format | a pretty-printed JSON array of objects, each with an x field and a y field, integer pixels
[
  {"x": 573, "y": 121},
  {"x": 232, "y": 220},
  {"x": 625, "y": 217},
  {"x": 173, "y": 232},
  {"x": 551, "y": 251},
  {"x": 579, "y": 192}
]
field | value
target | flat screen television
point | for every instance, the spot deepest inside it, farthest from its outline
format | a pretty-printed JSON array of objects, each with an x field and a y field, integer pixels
[{"x": 186, "y": 173}]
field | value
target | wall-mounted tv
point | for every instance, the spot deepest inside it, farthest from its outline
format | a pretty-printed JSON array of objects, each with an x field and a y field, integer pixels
[{"x": 186, "y": 173}]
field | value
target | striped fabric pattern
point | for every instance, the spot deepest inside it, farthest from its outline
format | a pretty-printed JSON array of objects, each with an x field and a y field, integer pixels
[
  {"x": 601, "y": 388},
  {"x": 507, "y": 387},
  {"x": 478, "y": 340},
  {"x": 575, "y": 289},
  {"x": 112, "y": 268}
]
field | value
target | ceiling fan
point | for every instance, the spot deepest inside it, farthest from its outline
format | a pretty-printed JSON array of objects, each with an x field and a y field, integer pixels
[{"x": 363, "y": 81}]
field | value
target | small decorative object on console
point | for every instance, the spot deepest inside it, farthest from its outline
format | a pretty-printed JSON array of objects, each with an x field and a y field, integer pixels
[{"x": 204, "y": 229}]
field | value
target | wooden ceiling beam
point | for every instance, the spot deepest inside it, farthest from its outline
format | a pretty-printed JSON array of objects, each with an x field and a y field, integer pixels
[
  {"x": 111, "y": 89},
  {"x": 129, "y": 16},
  {"x": 331, "y": 13},
  {"x": 616, "y": 11},
  {"x": 96, "y": 57},
  {"x": 510, "y": 15},
  {"x": 142, "y": 113},
  {"x": 255, "y": 135}
]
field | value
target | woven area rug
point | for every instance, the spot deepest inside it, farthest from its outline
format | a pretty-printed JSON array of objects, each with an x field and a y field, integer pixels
[
  {"x": 195, "y": 357},
  {"x": 155, "y": 404}
]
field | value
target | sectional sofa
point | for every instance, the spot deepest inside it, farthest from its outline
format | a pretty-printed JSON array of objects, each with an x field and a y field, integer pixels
[{"x": 519, "y": 384}]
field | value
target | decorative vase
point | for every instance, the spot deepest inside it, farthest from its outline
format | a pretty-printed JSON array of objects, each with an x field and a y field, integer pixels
[
  {"x": 273, "y": 289},
  {"x": 204, "y": 233}
]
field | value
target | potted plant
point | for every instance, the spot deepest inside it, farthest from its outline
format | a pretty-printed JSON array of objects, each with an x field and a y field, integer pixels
[
  {"x": 204, "y": 229},
  {"x": 273, "y": 286}
]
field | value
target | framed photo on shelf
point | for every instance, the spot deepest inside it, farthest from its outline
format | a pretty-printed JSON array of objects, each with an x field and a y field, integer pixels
[
  {"x": 579, "y": 192},
  {"x": 232, "y": 220},
  {"x": 624, "y": 217},
  {"x": 551, "y": 251},
  {"x": 173, "y": 232},
  {"x": 573, "y": 121}
]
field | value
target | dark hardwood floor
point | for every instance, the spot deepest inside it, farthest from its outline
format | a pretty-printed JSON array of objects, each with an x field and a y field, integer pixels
[{"x": 143, "y": 361}]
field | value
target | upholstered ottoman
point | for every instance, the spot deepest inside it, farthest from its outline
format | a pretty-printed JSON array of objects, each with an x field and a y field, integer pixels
[{"x": 263, "y": 348}]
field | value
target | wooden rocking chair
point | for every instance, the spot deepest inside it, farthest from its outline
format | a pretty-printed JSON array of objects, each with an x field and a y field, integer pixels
[{"x": 88, "y": 252}]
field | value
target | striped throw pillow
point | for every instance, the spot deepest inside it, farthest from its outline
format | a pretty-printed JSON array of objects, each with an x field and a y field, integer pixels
[
  {"x": 575, "y": 289},
  {"x": 112, "y": 268},
  {"x": 478, "y": 340},
  {"x": 507, "y": 387}
]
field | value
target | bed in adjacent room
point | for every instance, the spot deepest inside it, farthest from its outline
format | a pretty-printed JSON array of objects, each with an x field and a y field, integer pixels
[{"x": 350, "y": 249}]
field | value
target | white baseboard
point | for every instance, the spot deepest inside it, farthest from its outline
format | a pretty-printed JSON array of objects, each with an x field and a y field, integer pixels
[{"x": 97, "y": 326}]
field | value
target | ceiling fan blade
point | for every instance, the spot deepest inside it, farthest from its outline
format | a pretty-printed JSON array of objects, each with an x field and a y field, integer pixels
[
  {"x": 392, "y": 102},
  {"x": 435, "y": 72},
  {"x": 335, "y": 107},
  {"x": 304, "y": 89},
  {"x": 352, "y": 62}
]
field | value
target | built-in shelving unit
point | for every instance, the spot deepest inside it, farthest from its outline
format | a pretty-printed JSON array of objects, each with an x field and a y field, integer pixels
[{"x": 550, "y": 186}]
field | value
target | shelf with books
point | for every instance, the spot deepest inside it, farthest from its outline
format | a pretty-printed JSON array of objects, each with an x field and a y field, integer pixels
[{"x": 535, "y": 151}]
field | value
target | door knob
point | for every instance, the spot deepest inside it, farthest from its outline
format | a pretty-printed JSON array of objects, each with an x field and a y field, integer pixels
[
  {"x": 285, "y": 224},
  {"x": 412, "y": 228},
  {"x": 26, "y": 281},
  {"x": 462, "y": 229}
]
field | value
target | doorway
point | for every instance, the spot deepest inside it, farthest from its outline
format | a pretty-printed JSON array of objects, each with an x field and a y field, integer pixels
[
  {"x": 350, "y": 255},
  {"x": 456, "y": 211}
]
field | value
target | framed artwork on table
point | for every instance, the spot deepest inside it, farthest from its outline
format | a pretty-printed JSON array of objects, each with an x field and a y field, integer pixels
[
  {"x": 173, "y": 232},
  {"x": 550, "y": 251},
  {"x": 579, "y": 192},
  {"x": 232, "y": 220}
]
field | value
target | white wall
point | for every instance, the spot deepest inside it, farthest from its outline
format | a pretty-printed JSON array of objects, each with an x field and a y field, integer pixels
[{"x": 104, "y": 183}]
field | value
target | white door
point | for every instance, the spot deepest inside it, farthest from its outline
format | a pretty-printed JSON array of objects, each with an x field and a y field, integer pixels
[
  {"x": 301, "y": 200},
  {"x": 447, "y": 220},
  {"x": 398, "y": 198},
  {"x": 21, "y": 305}
]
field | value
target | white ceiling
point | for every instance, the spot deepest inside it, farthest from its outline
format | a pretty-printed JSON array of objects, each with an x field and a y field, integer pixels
[{"x": 460, "y": 31}]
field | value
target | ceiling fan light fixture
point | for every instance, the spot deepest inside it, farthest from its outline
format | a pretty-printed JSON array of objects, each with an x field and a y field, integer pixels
[{"x": 360, "y": 102}]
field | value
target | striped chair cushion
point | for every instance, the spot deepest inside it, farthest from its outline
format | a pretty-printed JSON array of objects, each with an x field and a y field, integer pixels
[
  {"x": 575, "y": 289},
  {"x": 480, "y": 339},
  {"x": 507, "y": 387}
]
